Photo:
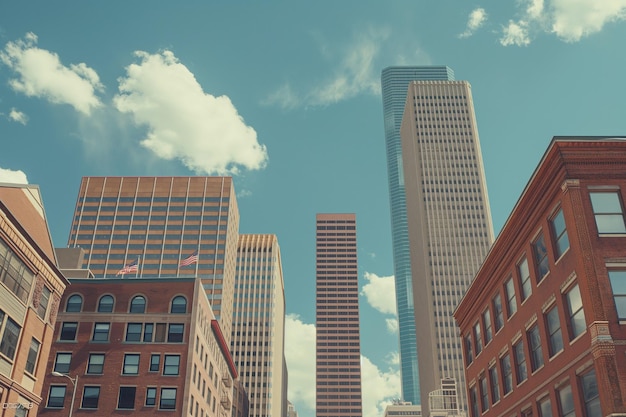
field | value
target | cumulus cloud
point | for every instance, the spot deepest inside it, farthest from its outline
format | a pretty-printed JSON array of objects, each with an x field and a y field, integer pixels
[
  {"x": 515, "y": 33},
  {"x": 40, "y": 73},
  {"x": 17, "y": 116},
  {"x": 379, "y": 387},
  {"x": 205, "y": 132},
  {"x": 476, "y": 19},
  {"x": 392, "y": 325},
  {"x": 380, "y": 293},
  {"x": 13, "y": 177}
]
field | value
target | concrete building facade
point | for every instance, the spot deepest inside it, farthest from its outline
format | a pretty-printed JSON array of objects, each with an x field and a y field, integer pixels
[{"x": 544, "y": 322}]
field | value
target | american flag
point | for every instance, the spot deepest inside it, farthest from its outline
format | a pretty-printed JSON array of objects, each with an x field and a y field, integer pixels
[
  {"x": 191, "y": 259},
  {"x": 131, "y": 267}
]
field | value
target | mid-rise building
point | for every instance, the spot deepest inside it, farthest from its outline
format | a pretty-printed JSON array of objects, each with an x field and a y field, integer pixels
[
  {"x": 258, "y": 335},
  {"x": 338, "y": 346},
  {"x": 31, "y": 286},
  {"x": 403, "y": 408},
  {"x": 544, "y": 321},
  {"x": 448, "y": 218}
]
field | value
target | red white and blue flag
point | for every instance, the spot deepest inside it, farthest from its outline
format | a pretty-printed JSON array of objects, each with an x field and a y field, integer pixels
[
  {"x": 191, "y": 259},
  {"x": 131, "y": 267}
]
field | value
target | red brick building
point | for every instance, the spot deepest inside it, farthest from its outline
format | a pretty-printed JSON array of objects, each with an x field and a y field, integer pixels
[
  {"x": 544, "y": 322},
  {"x": 140, "y": 347}
]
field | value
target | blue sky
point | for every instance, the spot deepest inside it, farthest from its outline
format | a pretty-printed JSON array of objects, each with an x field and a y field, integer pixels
[{"x": 285, "y": 96}]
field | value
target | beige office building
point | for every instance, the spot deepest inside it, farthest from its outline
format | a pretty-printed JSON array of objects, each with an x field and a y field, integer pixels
[{"x": 449, "y": 221}]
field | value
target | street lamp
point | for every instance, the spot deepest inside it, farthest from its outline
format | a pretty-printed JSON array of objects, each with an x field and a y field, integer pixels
[{"x": 74, "y": 382}]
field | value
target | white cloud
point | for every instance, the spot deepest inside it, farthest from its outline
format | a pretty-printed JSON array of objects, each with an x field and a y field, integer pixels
[
  {"x": 380, "y": 293},
  {"x": 379, "y": 387},
  {"x": 18, "y": 116},
  {"x": 392, "y": 325},
  {"x": 41, "y": 74},
  {"x": 13, "y": 177},
  {"x": 205, "y": 132},
  {"x": 476, "y": 19},
  {"x": 284, "y": 97},
  {"x": 515, "y": 33},
  {"x": 575, "y": 19},
  {"x": 535, "y": 9}
]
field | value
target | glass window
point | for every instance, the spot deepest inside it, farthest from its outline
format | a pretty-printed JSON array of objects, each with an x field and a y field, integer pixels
[
  {"x": 56, "y": 396},
  {"x": 175, "y": 333},
  {"x": 545, "y": 408},
  {"x": 101, "y": 332},
  {"x": 541, "y": 257},
  {"x": 42, "y": 308},
  {"x": 498, "y": 313},
  {"x": 126, "y": 400},
  {"x": 575, "y": 312},
  {"x": 105, "y": 305},
  {"x": 487, "y": 326},
  {"x": 484, "y": 395},
  {"x": 566, "y": 401},
  {"x": 133, "y": 332},
  {"x": 554, "y": 331},
  {"x": 469, "y": 356},
  {"x": 15, "y": 274},
  {"x": 11, "y": 334},
  {"x": 520, "y": 362},
  {"x": 607, "y": 209},
  {"x": 68, "y": 331},
  {"x": 131, "y": 364},
  {"x": 511, "y": 301},
  {"x": 618, "y": 284},
  {"x": 495, "y": 385},
  {"x": 524, "y": 279},
  {"x": 474, "y": 402},
  {"x": 179, "y": 305},
  {"x": 96, "y": 363},
  {"x": 478, "y": 340},
  {"x": 168, "y": 399},
  {"x": 138, "y": 304},
  {"x": 507, "y": 373},
  {"x": 151, "y": 396},
  {"x": 534, "y": 344},
  {"x": 155, "y": 362},
  {"x": 591, "y": 396},
  {"x": 74, "y": 304},
  {"x": 171, "y": 365},
  {"x": 33, "y": 353},
  {"x": 560, "y": 233},
  {"x": 148, "y": 331},
  {"x": 91, "y": 395},
  {"x": 62, "y": 362}
]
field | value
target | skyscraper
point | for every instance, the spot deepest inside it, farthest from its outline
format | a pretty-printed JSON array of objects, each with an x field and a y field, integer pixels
[
  {"x": 449, "y": 221},
  {"x": 338, "y": 347},
  {"x": 258, "y": 336},
  {"x": 151, "y": 224},
  {"x": 395, "y": 82}
]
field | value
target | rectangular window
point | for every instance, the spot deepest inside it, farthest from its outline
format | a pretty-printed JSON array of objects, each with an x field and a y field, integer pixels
[
  {"x": 469, "y": 355},
  {"x": 566, "y": 401},
  {"x": 608, "y": 212},
  {"x": 33, "y": 353},
  {"x": 148, "y": 331},
  {"x": 42, "y": 308},
  {"x": 534, "y": 344},
  {"x": 101, "y": 332},
  {"x": 56, "y": 396},
  {"x": 507, "y": 373},
  {"x": 618, "y": 284},
  {"x": 62, "y": 362},
  {"x": 168, "y": 399},
  {"x": 591, "y": 396},
  {"x": 541, "y": 257},
  {"x": 14, "y": 273},
  {"x": 474, "y": 402},
  {"x": 175, "y": 333},
  {"x": 68, "y": 331},
  {"x": 133, "y": 332},
  {"x": 484, "y": 395},
  {"x": 498, "y": 313},
  {"x": 520, "y": 362},
  {"x": 554, "y": 331},
  {"x": 559, "y": 231},
  {"x": 524, "y": 279},
  {"x": 155, "y": 362},
  {"x": 151, "y": 396},
  {"x": 11, "y": 335},
  {"x": 487, "y": 326},
  {"x": 545, "y": 408},
  {"x": 126, "y": 399},
  {"x": 511, "y": 301},
  {"x": 131, "y": 364},
  {"x": 91, "y": 395},
  {"x": 575, "y": 311},
  {"x": 171, "y": 364},
  {"x": 478, "y": 339},
  {"x": 495, "y": 385},
  {"x": 96, "y": 363}
]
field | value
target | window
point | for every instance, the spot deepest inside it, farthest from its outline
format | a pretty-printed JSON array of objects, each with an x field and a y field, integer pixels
[
  {"x": 524, "y": 279},
  {"x": 554, "y": 331},
  {"x": 520, "y": 362},
  {"x": 151, "y": 396},
  {"x": 484, "y": 395},
  {"x": 469, "y": 356},
  {"x": 74, "y": 304},
  {"x": 91, "y": 395},
  {"x": 474, "y": 402},
  {"x": 511, "y": 302},
  {"x": 68, "y": 331},
  {"x": 131, "y": 364},
  {"x": 607, "y": 210},
  {"x": 96, "y": 363},
  {"x": 101, "y": 332},
  {"x": 534, "y": 344},
  {"x": 126, "y": 399},
  {"x": 15, "y": 274},
  {"x": 62, "y": 362},
  {"x": 42, "y": 308},
  {"x": 566, "y": 401},
  {"x": 495, "y": 385},
  {"x": 22, "y": 410},
  {"x": 11, "y": 334},
  {"x": 575, "y": 312},
  {"x": 545, "y": 408},
  {"x": 138, "y": 304},
  {"x": 591, "y": 396},
  {"x": 618, "y": 284},
  {"x": 168, "y": 399},
  {"x": 105, "y": 305},
  {"x": 56, "y": 396},
  {"x": 148, "y": 331},
  {"x": 560, "y": 233},
  {"x": 133, "y": 332},
  {"x": 171, "y": 364},
  {"x": 179, "y": 305},
  {"x": 541, "y": 257},
  {"x": 155, "y": 363},
  {"x": 33, "y": 353},
  {"x": 507, "y": 373},
  {"x": 478, "y": 340},
  {"x": 487, "y": 326},
  {"x": 175, "y": 333},
  {"x": 498, "y": 313}
]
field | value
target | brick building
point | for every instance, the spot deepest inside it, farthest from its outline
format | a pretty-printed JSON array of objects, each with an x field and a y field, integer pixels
[{"x": 544, "y": 321}]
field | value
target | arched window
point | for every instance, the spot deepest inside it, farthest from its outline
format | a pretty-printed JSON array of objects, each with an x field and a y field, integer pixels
[
  {"x": 74, "y": 304},
  {"x": 179, "y": 305},
  {"x": 105, "y": 305},
  {"x": 138, "y": 304}
]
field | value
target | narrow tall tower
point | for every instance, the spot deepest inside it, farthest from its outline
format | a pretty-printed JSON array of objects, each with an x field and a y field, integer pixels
[
  {"x": 395, "y": 82},
  {"x": 258, "y": 337},
  {"x": 449, "y": 221},
  {"x": 338, "y": 347}
]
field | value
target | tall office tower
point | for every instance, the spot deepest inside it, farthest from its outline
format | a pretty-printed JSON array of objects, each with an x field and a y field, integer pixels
[
  {"x": 448, "y": 217},
  {"x": 338, "y": 348},
  {"x": 147, "y": 226},
  {"x": 258, "y": 335},
  {"x": 395, "y": 82}
]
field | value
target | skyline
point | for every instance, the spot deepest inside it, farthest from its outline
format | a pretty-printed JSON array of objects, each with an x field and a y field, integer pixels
[{"x": 290, "y": 82}]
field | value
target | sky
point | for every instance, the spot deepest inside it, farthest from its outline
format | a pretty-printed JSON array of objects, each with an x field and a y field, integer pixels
[{"x": 285, "y": 97}]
